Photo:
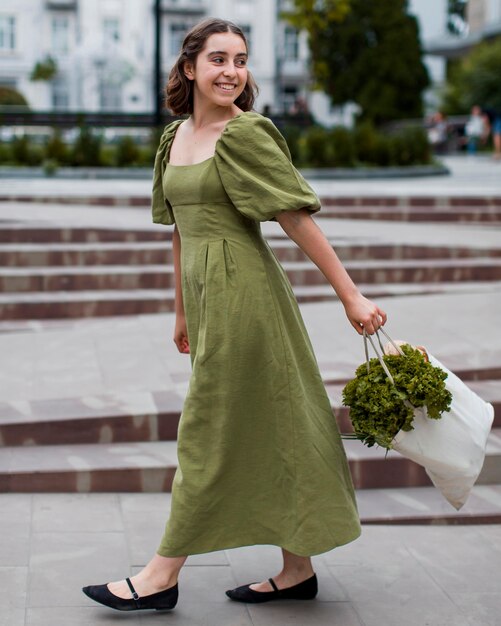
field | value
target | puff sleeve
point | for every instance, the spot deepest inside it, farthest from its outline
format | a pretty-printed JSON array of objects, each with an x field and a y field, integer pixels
[
  {"x": 160, "y": 208},
  {"x": 256, "y": 170}
]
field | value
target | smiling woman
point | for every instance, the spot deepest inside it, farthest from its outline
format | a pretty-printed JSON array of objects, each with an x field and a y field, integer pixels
[
  {"x": 260, "y": 459},
  {"x": 180, "y": 87}
]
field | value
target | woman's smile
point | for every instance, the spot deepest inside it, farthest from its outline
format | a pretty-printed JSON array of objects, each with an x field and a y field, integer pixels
[{"x": 227, "y": 86}]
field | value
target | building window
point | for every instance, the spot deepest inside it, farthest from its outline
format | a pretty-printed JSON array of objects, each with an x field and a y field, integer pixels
[
  {"x": 177, "y": 34},
  {"x": 247, "y": 31},
  {"x": 60, "y": 94},
  {"x": 291, "y": 44},
  {"x": 7, "y": 32},
  {"x": 110, "y": 97},
  {"x": 60, "y": 27},
  {"x": 111, "y": 30}
]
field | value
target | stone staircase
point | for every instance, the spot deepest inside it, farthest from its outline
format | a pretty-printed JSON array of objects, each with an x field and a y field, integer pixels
[
  {"x": 68, "y": 446},
  {"x": 50, "y": 273},
  {"x": 126, "y": 441}
]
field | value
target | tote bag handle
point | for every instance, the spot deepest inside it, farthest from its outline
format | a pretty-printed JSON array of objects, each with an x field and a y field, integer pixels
[{"x": 379, "y": 354}]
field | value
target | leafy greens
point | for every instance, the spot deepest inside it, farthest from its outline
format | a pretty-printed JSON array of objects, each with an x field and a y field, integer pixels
[{"x": 378, "y": 409}]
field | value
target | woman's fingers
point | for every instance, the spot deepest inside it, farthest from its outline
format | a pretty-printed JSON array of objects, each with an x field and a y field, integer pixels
[
  {"x": 371, "y": 319},
  {"x": 383, "y": 316},
  {"x": 182, "y": 344},
  {"x": 358, "y": 327}
]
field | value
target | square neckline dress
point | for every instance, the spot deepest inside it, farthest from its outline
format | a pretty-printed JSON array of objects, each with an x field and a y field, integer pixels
[{"x": 260, "y": 459}]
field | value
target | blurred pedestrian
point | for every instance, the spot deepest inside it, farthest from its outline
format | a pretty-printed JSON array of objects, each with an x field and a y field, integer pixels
[
  {"x": 438, "y": 132},
  {"x": 494, "y": 115},
  {"x": 477, "y": 129},
  {"x": 260, "y": 459}
]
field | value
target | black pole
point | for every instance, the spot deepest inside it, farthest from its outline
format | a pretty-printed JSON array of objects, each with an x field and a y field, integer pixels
[{"x": 157, "y": 65}]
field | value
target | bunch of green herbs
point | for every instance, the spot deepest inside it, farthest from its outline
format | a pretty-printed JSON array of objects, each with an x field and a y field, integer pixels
[{"x": 379, "y": 409}]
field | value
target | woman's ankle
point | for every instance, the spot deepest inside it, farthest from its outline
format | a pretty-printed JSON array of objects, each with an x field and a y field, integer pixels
[
  {"x": 293, "y": 576},
  {"x": 163, "y": 572}
]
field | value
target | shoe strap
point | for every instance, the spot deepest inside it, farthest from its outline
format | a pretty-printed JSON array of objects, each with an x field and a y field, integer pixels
[
  {"x": 272, "y": 583},
  {"x": 133, "y": 591}
]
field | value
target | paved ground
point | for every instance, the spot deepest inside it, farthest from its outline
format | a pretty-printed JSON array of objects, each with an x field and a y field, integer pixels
[{"x": 51, "y": 545}]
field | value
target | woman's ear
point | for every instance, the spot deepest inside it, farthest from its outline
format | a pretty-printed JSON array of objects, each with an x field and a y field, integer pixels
[{"x": 189, "y": 70}]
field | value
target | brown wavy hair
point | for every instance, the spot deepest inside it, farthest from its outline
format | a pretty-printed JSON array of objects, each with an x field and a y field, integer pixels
[{"x": 179, "y": 89}]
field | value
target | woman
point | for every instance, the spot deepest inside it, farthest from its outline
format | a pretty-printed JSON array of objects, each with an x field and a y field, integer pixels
[{"x": 260, "y": 457}]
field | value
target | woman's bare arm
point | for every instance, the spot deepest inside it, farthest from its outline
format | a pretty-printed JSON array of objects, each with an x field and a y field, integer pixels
[
  {"x": 176, "y": 253},
  {"x": 180, "y": 331},
  {"x": 304, "y": 231}
]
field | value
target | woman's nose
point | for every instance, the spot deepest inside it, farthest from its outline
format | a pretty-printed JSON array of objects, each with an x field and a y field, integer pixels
[{"x": 229, "y": 70}]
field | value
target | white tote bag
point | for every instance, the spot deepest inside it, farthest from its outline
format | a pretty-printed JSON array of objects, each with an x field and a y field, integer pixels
[{"x": 452, "y": 448}]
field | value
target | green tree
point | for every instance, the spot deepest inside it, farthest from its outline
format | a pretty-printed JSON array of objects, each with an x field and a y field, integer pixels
[
  {"x": 44, "y": 70},
  {"x": 365, "y": 52},
  {"x": 476, "y": 79},
  {"x": 11, "y": 97}
]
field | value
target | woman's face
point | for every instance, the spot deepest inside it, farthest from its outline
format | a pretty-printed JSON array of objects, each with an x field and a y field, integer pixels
[{"x": 220, "y": 72}]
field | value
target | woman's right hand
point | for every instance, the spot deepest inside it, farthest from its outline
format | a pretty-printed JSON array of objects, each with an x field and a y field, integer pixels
[
  {"x": 181, "y": 335},
  {"x": 364, "y": 314}
]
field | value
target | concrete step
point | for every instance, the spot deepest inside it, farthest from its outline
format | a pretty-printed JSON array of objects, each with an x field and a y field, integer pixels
[
  {"x": 83, "y": 254},
  {"x": 442, "y": 201},
  {"x": 95, "y": 277},
  {"x": 100, "y": 419},
  {"x": 132, "y": 417},
  {"x": 150, "y": 467},
  {"x": 160, "y": 252},
  {"x": 453, "y": 214},
  {"x": 426, "y": 505},
  {"x": 144, "y": 200},
  {"x": 85, "y": 303},
  {"x": 33, "y": 232}
]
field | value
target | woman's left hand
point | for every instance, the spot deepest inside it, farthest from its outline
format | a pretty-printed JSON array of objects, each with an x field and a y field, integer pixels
[{"x": 364, "y": 314}]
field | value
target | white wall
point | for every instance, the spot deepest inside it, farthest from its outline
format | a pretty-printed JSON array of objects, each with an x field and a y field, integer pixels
[
  {"x": 494, "y": 11},
  {"x": 432, "y": 18}
]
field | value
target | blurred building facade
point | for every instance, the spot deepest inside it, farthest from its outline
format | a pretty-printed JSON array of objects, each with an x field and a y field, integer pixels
[
  {"x": 484, "y": 17},
  {"x": 482, "y": 22},
  {"x": 104, "y": 51}
]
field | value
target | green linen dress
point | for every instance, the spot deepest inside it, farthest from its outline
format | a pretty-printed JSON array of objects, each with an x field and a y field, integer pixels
[{"x": 260, "y": 460}]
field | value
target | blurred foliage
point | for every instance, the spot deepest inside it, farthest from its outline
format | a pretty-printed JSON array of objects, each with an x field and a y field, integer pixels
[
  {"x": 11, "y": 97},
  {"x": 44, "y": 70},
  {"x": 22, "y": 151},
  {"x": 364, "y": 146},
  {"x": 318, "y": 14},
  {"x": 365, "y": 52},
  {"x": 127, "y": 152},
  {"x": 56, "y": 150},
  {"x": 315, "y": 146},
  {"x": 86, "y": 149},
  {"x": 475, "y": 79},
  {"x": 292, "y": 133},
  {"x": 343, "y": 147},
  {"x": 50, "y": 166}
]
